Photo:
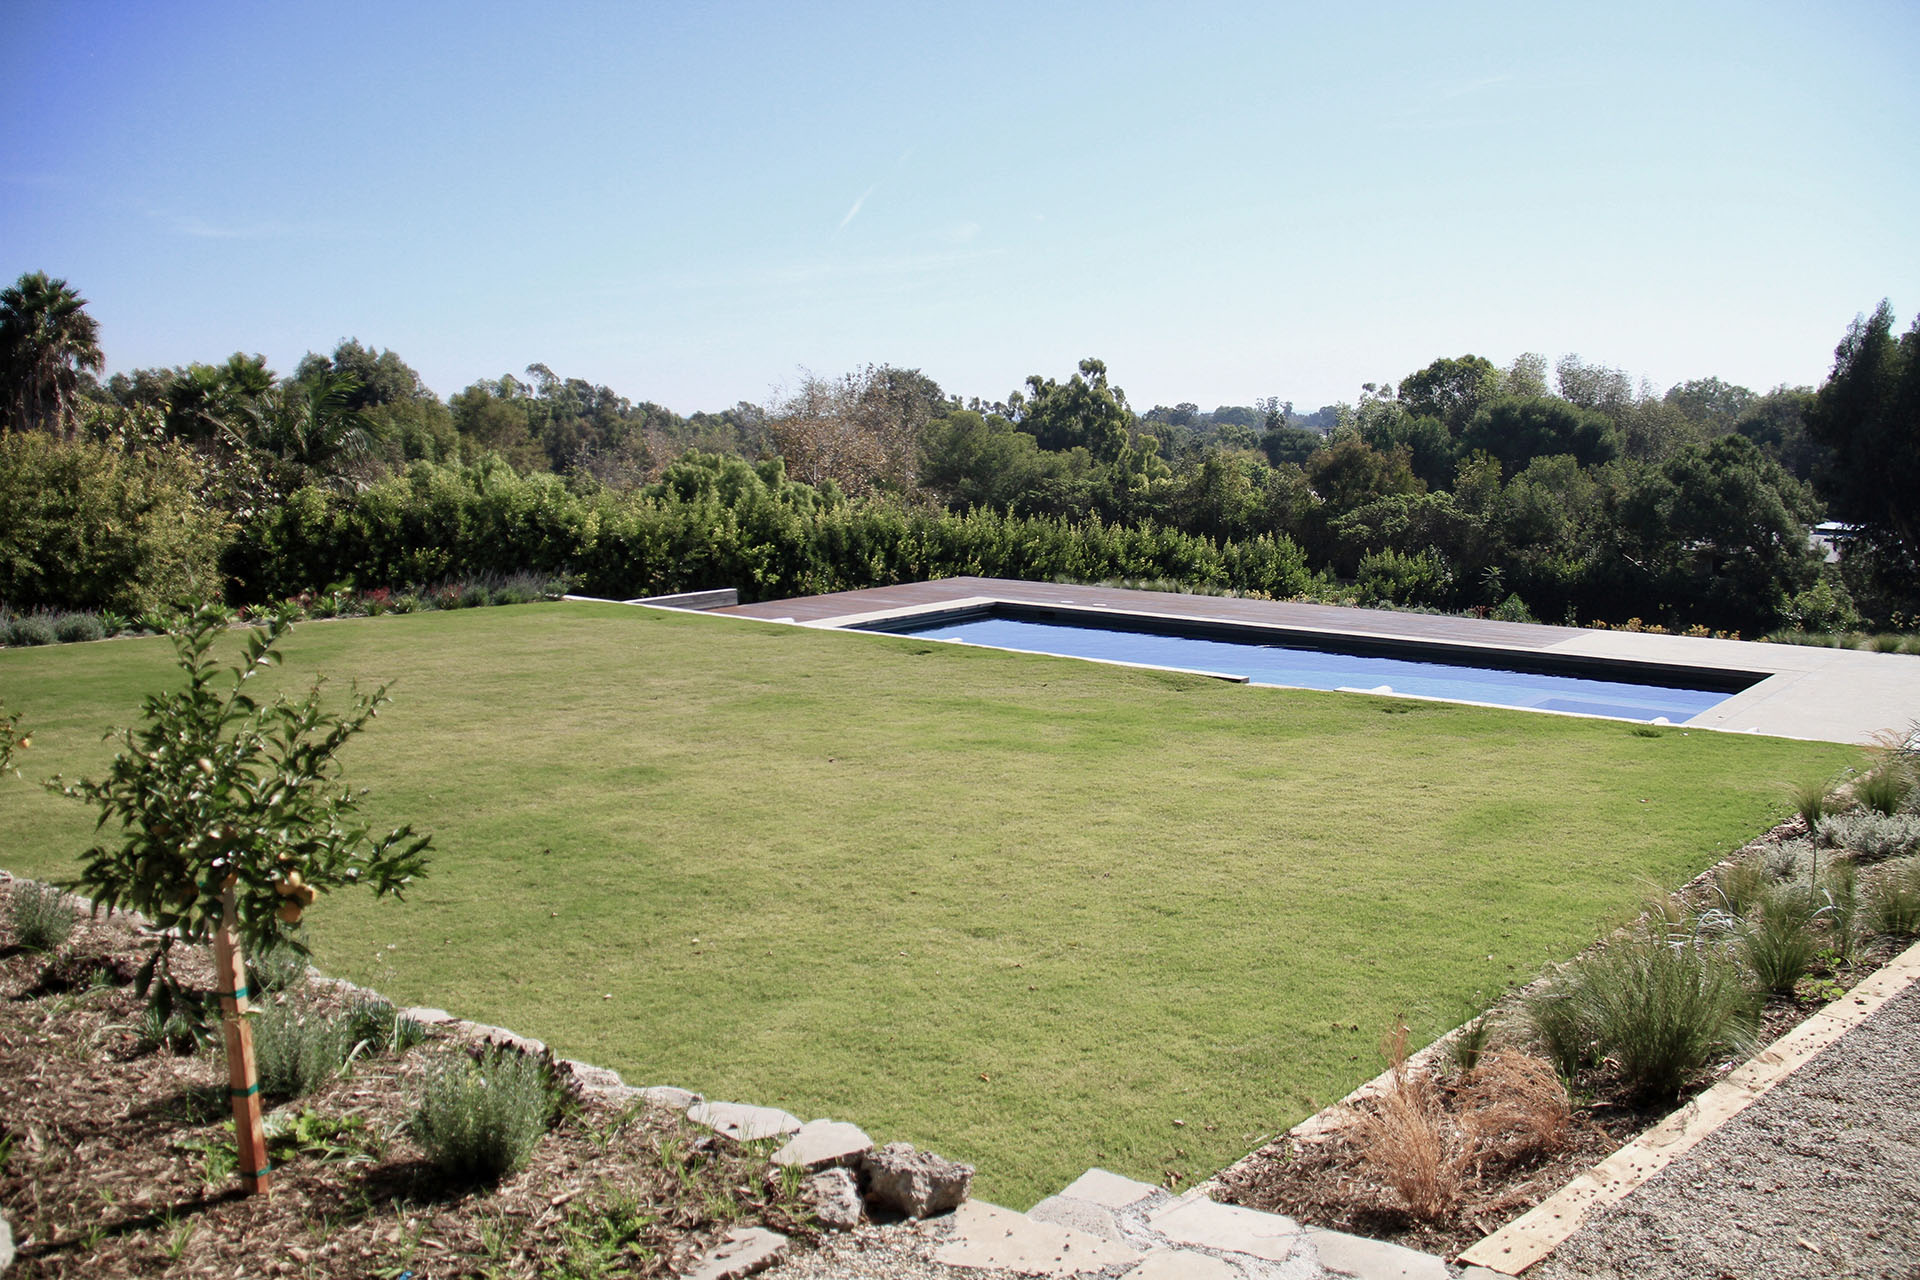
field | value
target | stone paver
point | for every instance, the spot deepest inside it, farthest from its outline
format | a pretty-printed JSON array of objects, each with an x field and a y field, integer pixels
[
  {"x": 986, "y": 1235},
  {"x": 741, "y": 1122},
  {"x": 1081, "y": 1215},
  {"x": 1373, "y": 1259},
  {"x": 1230, "y": 1228},
  {"x": 1182, "y": 1264},
  {"x": 819, "y": 1143},
  {"x": 744, "y": 1251},
  {"x": 1097, "y": 1186}
]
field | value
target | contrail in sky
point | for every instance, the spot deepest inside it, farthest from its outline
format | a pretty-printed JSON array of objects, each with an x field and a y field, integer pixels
[{"x": 855, "y": 211}]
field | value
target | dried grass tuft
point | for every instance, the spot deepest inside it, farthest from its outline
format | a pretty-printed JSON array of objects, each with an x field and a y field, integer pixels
[
  {"x": 1514, "y": 1107},
  {"x": 1409, "y": 1142}
]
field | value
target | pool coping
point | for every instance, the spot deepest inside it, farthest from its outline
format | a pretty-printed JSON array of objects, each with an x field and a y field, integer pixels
[{"x": 1826, "y": 695}]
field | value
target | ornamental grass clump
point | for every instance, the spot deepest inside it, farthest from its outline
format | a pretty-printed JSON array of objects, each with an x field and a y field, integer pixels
[
  {"x": 40, "y": 915},
  {"x": 1782, "y": 938},
  {"x": 1893, "y": 903},
  {"x": 1409, "y": 1140},
  {"x": 1661, "y": 1010},
  {"x": 1652, "y": 1008},
  {"x": 480, "y": 1118}
]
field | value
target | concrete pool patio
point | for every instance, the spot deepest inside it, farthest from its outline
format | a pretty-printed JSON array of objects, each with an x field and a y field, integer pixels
[{"x": 1815, "y": 694}]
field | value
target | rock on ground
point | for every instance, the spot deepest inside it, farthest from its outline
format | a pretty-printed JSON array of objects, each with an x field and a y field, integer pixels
[{"x": 916, "y": 1183}]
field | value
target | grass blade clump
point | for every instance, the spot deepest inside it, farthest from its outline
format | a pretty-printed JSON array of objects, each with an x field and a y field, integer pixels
[
  {"x": 1810, "y": 801},
  {"x": 297, "y": 1054},
  {"x": 1893, "y": 903},
  {"x": 1661, "y": 1011},
  {"x": 1885, "y": 789},
  {"x": 376, "y": 1023},
  {"x": 1741, "y": 885},
  {"x": 1780, "y": 941},
  {"x": 1471, "y": 1041},
  {"x": 1842, "y": 910},
  {"x": 479, "y": 1119},
  {"x": 1655, "y": 1009},
  {"x": 1561, "y": 1024},
  {"x": 41, "y": 916}
]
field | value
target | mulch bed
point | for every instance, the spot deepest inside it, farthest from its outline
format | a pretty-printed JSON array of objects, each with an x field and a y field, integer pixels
[
  {"x": 114, "y": 1156},
  {"x": 1324, "y": 1178}
]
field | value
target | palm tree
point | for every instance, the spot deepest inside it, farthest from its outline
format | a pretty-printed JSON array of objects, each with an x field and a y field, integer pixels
[
  {"x": 46, "y": 340},
  {"x": 310, "y": 428}
]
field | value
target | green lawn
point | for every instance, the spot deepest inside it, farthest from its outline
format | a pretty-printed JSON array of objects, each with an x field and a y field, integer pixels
[{"x": 1029, "y": 912}]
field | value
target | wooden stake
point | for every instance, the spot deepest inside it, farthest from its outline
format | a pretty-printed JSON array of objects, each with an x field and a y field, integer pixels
[{"x": 243, "y": 1076}]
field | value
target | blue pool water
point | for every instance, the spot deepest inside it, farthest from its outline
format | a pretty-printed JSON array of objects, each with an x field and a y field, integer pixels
[{"x": 1302, "y": 667}]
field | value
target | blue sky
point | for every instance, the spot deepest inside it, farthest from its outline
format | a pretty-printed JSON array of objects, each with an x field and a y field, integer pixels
[{"x": 1222, "y": 201}]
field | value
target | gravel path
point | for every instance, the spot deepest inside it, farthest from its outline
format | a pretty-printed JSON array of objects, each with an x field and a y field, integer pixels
[{"x": 1820, "y": 1178}]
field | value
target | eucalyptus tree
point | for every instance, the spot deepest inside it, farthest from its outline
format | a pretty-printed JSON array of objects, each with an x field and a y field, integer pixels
[{"x": 47, "y": 340}]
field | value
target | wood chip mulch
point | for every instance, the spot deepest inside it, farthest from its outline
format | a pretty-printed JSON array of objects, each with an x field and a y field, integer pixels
[{"x": 115, "y": 1157}]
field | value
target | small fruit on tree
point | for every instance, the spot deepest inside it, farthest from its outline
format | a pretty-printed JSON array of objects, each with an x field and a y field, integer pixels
[
  {"x": 217, "y": 790},
  {"x": 231, "y": 821}
]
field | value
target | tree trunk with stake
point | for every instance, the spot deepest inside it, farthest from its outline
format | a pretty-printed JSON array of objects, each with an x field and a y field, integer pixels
[{"x": 243, "y": 1074}]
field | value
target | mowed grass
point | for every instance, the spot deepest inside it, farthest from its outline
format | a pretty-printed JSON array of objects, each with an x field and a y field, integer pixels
[{"x": 1032, "y": 913}]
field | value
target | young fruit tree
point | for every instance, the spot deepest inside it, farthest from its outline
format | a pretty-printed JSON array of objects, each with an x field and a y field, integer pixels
[{"x": 230, "y": 822}]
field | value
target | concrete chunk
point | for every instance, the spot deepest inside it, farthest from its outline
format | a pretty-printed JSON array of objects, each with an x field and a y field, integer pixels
[
  {"x": 917, "y": 1183},
  {"x": 1230, "y": 1228},
  {"x": 834, "y": 1198},
  {"x": 987, "y": 1236},
  {"x": 820, "y": 1143},
  {"x": 742, "y": 1123},
  {"x": 744, "y": 1251},
  {"x": 590, "y": 1077}
]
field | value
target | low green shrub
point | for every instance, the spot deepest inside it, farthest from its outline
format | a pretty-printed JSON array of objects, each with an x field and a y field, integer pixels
[
  {"x": 479, "y": 1118},
  {"x": 1893, "y": 903},
  {"x": 279, "y": 967},
  {"x": 29, "y": 629},
  {"x": 298, "y": 1052},
  {"x": 1780, "y": 940},
  {"x": 1867, "y": 835},
  {"x": 77, "y": 628},
  {"x": 376, "y": 1023},
  {"x": 41, "y": 916}
]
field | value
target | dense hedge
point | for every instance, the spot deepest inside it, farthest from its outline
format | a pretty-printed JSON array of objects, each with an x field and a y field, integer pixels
[
  {"x": 711, "y": 521},
  {"x": 85, "y": 526}
]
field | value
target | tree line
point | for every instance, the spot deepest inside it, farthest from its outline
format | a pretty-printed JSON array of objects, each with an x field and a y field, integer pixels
[{"x": 1560, "y": 493}]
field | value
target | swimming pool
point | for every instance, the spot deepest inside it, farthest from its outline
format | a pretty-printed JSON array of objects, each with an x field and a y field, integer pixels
[{"x": 1271, "y": 656}]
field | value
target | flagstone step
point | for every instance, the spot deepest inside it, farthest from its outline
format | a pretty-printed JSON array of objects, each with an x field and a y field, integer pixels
[{"x": 1102, "y": 1220}]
